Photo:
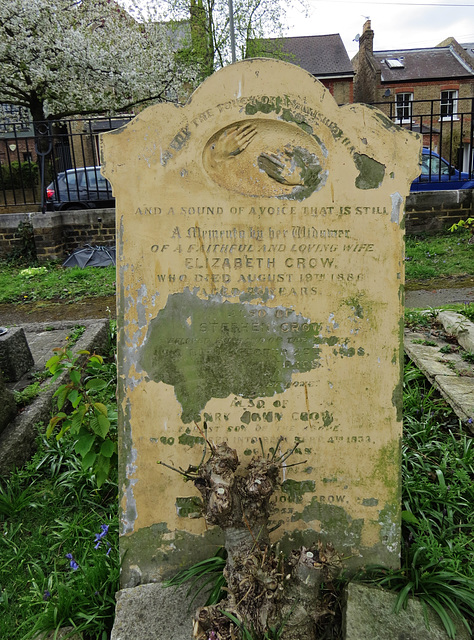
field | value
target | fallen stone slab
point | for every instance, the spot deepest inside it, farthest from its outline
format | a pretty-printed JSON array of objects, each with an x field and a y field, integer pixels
[
  {"x": 447, "y": 372},
  {"x": 153, "y": 612},
  {"x": 369, "y": 615},
  {"x": 460, "y": 327},
  {"x": 17, "y": 441}
]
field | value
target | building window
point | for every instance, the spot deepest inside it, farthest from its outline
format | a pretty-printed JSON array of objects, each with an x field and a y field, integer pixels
[
  {"x": 404, "y": 106},
  {"x": 449, "y": 105}
]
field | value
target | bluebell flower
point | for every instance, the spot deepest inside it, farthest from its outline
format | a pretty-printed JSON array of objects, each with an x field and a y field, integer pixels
[
  {"x": 72, "y": 563},
  {"x": 98, "y": 536},
  {"x": 46, "y": 594}
]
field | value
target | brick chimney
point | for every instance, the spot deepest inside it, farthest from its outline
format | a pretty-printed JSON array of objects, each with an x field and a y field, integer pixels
[
  {"x": 366, "y": 40},
  {"x": 367, "y": 75}
]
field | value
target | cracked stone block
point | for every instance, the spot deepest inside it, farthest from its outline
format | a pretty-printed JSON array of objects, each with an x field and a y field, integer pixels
[{"x": 15, "y": 355}]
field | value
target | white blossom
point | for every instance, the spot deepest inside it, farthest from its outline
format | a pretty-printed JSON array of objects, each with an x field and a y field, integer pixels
[{"x": 71, "y": 57}]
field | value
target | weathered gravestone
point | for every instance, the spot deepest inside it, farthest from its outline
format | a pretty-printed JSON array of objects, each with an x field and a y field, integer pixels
[{"x": 260, "y": 290}]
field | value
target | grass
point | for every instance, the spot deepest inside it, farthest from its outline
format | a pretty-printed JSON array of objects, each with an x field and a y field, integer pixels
[
  {"x": 416, "y": 318},
  {"x": 438, "y": 508},
  {"x": 54, "y": 282},
  {"x": 59, "y": 543},
  {"x": 427, "y": 257},
  {"x": 439, "y": 256},
  {"x": 52, "y": 508}
]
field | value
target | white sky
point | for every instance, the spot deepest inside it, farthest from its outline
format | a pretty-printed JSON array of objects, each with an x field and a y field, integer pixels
[{"x": 396, "y": 25}]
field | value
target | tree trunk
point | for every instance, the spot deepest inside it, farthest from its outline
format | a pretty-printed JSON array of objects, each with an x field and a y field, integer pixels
[{"x": 267, "y": 593}]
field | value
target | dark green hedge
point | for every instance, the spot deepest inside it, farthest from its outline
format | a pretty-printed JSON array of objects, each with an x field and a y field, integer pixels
[{"x": 19, "y": 175}]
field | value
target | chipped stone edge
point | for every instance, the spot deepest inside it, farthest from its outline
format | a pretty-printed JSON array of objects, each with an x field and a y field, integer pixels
[{"x": 17, "y": 441}]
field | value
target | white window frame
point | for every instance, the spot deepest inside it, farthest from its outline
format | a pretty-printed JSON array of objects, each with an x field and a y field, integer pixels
[
  {"x": 406, "y": 107},
  {"x": 450, "y": 103}
]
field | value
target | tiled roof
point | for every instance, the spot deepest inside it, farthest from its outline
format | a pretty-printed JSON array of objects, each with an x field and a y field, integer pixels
[
  {"x": 468, "y": 48},
  {"x": 319, "y": 55},
  {"x": 421, "y": 64}
]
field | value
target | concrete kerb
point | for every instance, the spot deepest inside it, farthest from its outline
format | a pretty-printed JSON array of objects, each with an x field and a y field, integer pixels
[{"x": 17, "y": 441}]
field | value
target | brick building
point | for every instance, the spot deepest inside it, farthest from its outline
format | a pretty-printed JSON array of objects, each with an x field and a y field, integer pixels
[
  {"x": 324, "y": 57},
  {"x": 428, "y": 90}
]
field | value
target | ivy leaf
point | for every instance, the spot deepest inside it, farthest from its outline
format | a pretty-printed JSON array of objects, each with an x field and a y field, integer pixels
[
  {"x": 100, "y": 425},
  {"x": 88, "y": 460},
  {"x": 97, "y": 384},
  {"x": 74, "y": 398},
  {"x": 77, "y": 419},
  {"x": 84, "y": 444},
  {"x": 407, "y": 516},
  {"x": 107, "y": 449},
  {"x": 75, "y": 376},
  {"x": 102, "y": 469},
  {"x": 52, "y": 363},
  {"x": 64, "y": 428},
  {"x": 62, "y": 394},
  {"x": 101, "y": 408}
]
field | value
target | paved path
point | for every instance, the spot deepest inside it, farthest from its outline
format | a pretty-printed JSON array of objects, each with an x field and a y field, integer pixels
[
  {"x": 11, "y": 314},
  {"x": 426, "y": 298}
]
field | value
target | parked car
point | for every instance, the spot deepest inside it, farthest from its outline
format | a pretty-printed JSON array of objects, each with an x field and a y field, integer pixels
[
  {"x": 438, "y": 174},
  {"x": 81, "y": 188}
]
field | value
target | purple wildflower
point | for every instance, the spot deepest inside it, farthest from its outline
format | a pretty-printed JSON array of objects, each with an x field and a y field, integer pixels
[
  {"x": 98, "y": 536},
  {"x": 72, "y": 563},
  {"x": 46, "y": 594}
]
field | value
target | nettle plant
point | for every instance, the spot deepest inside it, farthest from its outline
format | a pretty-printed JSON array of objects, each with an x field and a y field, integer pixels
[
  {"x": 465, "y": 224},
  {"x": 85, "y": 409}
]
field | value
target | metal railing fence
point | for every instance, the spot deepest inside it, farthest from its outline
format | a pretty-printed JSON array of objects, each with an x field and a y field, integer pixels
[
  {"x": 446, "y": 127},
  {"x": 33, "y": 155}
]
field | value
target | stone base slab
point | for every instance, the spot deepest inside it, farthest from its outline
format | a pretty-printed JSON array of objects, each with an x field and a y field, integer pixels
[
  {"x": 369, "y": 615},
  {"x": 153, "y": 612}
]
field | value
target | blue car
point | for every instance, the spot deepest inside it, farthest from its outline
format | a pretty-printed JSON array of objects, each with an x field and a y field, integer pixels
[{"x": 437, "y": 174}]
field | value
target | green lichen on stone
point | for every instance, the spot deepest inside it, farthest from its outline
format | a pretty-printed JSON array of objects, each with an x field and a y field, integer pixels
[
  {"x": 295, "y": 489},
  {"x": 207, "y": 348},
  {"x": 397, "y": 394},
  {"x": 159, "y": 554},
  {"x": 370, "y": 502},
  {"x": 289, "y": 116},
  {"x": 343, "y": 530},
  {"x": 371, "y": 172},
  {"x": 190, "y": 507},
  {"x": 390, "y": 525},
  {"x": 388, "y": 469},
  {"x": 189, "y": 440},
  {"x": 356, "y": 306}
]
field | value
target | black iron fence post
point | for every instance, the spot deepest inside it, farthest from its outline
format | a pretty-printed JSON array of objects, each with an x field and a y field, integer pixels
[{"x": 43, "y": 147}]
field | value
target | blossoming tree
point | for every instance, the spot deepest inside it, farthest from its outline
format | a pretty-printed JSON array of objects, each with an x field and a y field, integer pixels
[{"x": 76, "y": 57}]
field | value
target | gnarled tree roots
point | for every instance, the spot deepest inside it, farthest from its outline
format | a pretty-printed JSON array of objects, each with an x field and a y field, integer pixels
[{"x": 269, "y": 596}]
